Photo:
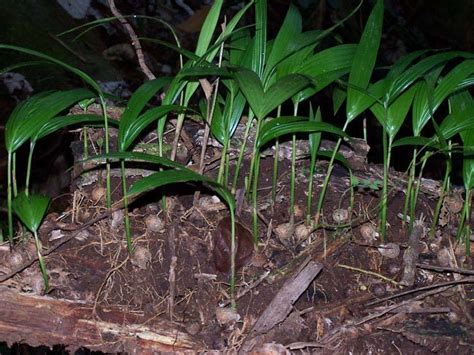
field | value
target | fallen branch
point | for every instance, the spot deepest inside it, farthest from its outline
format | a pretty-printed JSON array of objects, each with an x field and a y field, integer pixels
[
  {"x": 429, "y": 287},
  {"x": 42, "y": 320},
  {"x": 135, "y": 42},
  {"x": 454, "y": 270}
]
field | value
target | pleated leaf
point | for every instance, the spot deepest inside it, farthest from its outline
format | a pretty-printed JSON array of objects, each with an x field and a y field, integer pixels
[
  {"x": 446, "y": 87},
  {"x": 223, "y": 126},
  {"x": 30, "y": 116},
  {"x": 128, "y": 134},
  {"x": 415, "y": 72},
  {"x": 60, "y": 122},
  {"x": 30, "y": 209},
  {"x": 280, "y": 126},
  {"x": 416, "y": 141},
  {"x": 456, "y": 122},
  {"x": 137, "y": 157},
  {"x": 461, "y": 105},
  {"x": 260, "y": 38},
  {"x": 314, "y": 138},
  {"x": 364, "y": 60},
  {"x": 262, "y": 103},
  {"x": 396, "y": 113},
  {"x": 289, "y": 31},
  {"x": 76, "y": 71}
]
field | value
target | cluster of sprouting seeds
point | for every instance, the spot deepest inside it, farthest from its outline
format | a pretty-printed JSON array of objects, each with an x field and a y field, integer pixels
[{"x": 255, "y": 76}]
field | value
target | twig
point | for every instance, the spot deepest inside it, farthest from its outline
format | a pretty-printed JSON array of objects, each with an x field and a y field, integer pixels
[
  {"x": 368, "y": 273},
  {"x": 135, "y": 42},
  {"x": 403, "y": 303},
  {"x": 446, "y": 269},
  {"x": 442, "y": 284}
]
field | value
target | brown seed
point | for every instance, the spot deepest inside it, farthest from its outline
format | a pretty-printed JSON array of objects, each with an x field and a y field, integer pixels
[{"x": 222, "y": 245}]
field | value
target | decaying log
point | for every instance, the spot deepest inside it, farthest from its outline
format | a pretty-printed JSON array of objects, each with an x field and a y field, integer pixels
[{"x": 42, "y": 320}]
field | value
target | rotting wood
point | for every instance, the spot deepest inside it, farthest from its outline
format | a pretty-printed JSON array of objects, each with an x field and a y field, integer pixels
[
  {"x": 282, "y": 303},
  {"x": 41, "y": 320}
]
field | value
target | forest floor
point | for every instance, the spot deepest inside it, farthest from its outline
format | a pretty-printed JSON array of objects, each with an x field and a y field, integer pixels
[{"x": 362, "y": 294}]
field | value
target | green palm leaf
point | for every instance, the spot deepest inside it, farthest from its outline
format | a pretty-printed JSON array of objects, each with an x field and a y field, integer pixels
[
  {"x": 28, "y": 118},
  {"x": 396, "y": 113},
  {"x": 289, "y": 31},
  {"x": 280, "y": 126},
  {"x": 364, "y": 60},
  {"x": 30, "y": 209},
  {"x": 60, "y": 122},
  {"x": 262, "y": 103},
  {"x": 76, "y": 71},
  {"x": 128, "y": 134},
  {"x": 447, "y": 85},
  {"x": 413, "y": 73}
]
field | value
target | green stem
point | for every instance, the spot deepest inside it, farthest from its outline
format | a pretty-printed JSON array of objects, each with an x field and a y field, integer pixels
[
  {"x": 227, "y": 169},
  {"x": 442, "y": 194},
  {"x": 254, "y": 197},
  {"x": 220, "y": 174},
  {"x": 386, "y": 163},
  {"x": 242, "y": 152},
  {"x": 232, "y": 259},
  {"x": 467, "y": 231},
  {"x": 275, "y": 174},
  {"x": 417, "y": 190},
  {"x": 309, "y": 201},
  {"x": 85, "y": 154},
  {"x": 126, "y": 220},
  {"x": 15, "y": 189},
  {"x": 409, "y": 191},
  {"x": 275, "y": 167},
  {"x": 41, "y": 262},
  {"x": 107, "y": 147},
  {"x": 28, "y": 168},
  {"x": 222, "y": 165},
  {"x": 292, "y": 181},
  {"x": 327, "y": 178},
  {"x": 464, "y": 227},
  {"x": 293, "y": 172},
  {"x": 9, "y": 197}
]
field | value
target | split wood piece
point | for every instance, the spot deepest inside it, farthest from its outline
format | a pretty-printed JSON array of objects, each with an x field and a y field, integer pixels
[
  {"x": 40, "y": 320},
  {"x": 410, "y": 257},
  {"x": 282, "y": 304}
]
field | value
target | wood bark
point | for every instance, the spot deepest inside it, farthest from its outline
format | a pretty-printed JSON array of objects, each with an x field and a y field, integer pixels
[{"x": 42, "y": 320}]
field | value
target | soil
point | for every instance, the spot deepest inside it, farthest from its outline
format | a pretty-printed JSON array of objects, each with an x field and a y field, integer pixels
[{"x": 172, "y": 276}]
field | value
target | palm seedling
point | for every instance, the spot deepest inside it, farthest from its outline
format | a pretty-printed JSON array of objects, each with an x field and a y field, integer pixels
[
  {"x": 462, "y": 106},
  {"x": 359, "y": 98},
  {"x": 31, "y": 210},
  {"x": 430, "y": 94},
  {"x": 31, "y": 120},
  {"x": 133, "y": 121},
  {"x": 91, "y": 82}
]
